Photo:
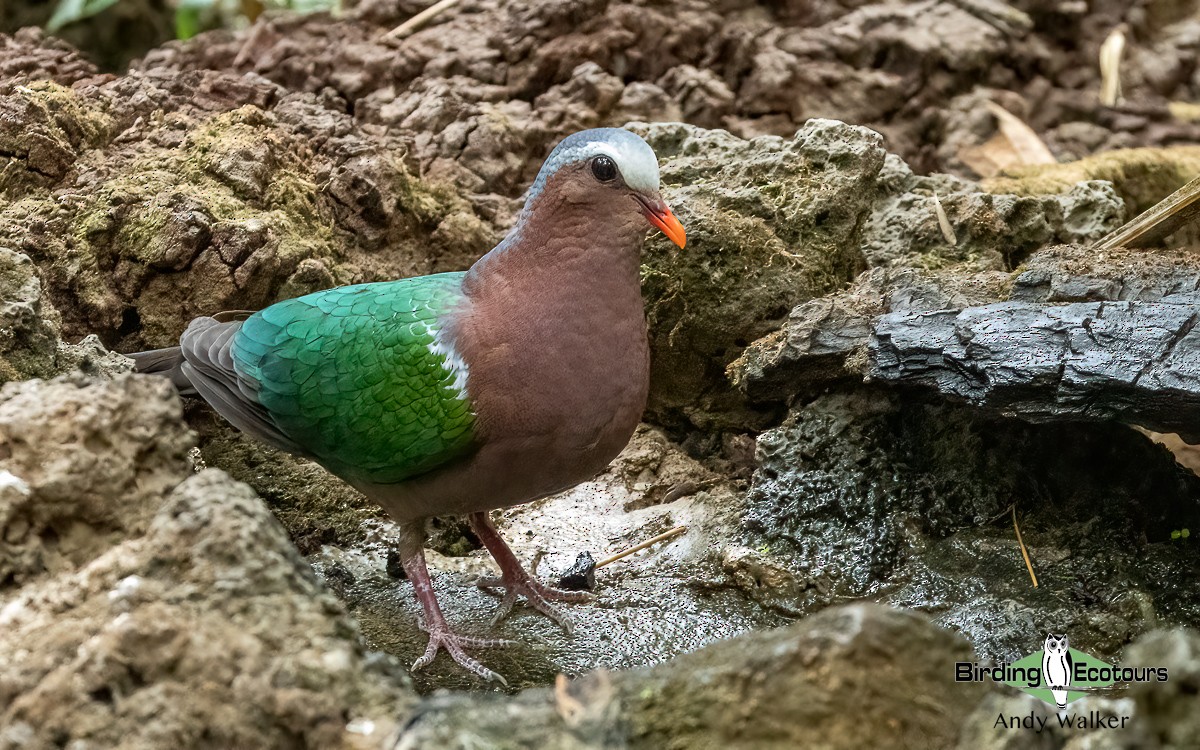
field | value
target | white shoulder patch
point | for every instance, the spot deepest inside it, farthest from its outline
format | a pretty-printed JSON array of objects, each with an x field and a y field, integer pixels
[{"x": 442, "y": 347}]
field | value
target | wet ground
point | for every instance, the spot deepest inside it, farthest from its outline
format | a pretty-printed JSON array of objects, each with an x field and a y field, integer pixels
[{"x": 649, "y": 607}]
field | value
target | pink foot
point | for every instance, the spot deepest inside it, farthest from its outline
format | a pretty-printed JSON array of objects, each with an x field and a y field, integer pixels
[
  {"x": 412, "y": 557},
  {"x": 517, "y": 582},
  {"x": 442, "y": 637}
]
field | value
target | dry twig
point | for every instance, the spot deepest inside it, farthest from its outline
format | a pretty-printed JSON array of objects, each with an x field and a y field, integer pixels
[
  {"x": 1155, "y": 223},
  {"x": 422, "y": 18},
  {"x": 1024, "y": 552},
  {"x": 639, "y": 547}
]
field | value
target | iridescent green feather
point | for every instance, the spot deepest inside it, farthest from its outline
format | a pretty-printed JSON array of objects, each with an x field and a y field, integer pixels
[{"x": 353, "y": 376}]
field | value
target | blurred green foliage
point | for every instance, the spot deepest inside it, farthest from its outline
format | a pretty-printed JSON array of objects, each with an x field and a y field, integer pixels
[
  {"x": 69, "y": 11},
  {"x": 194, "y": 16}
]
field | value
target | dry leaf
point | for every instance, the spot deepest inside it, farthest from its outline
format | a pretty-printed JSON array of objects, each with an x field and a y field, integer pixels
[
  {"x": 1186, "y": 454},
  {"x": 591, "y": 699},
  {"x": 1110, "y": 67},
  {"x": 990, "y": 158},
  {"x": 944, "y": 221},
  {"x": 1016, "y": 145},
  {"x": 1026, "y": 143},
  {"x": 568, "y": 706}
]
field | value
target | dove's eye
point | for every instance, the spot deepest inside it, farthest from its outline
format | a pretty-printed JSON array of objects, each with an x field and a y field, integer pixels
[{"x": 604, "y": 168}]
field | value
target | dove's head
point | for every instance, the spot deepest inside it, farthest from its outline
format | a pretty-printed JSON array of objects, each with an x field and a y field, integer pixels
[{"x": 613, "y": 168}]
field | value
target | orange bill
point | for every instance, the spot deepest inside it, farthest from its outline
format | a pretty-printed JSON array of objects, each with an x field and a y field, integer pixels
[{"x": 662, "y": 218}]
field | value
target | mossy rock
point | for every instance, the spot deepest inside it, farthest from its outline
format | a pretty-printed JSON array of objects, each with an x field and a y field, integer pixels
[
  {"x": 1142, "y": 176},
  {"x": 28, "y": 330},
  {"x": 43, "y": 129},
  {"x": 189, "y": 212},
  {"x": 772, "y": 222}
]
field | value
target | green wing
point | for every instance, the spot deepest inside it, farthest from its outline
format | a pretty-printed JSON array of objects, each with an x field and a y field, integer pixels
[{"x": 356, "y": 377}]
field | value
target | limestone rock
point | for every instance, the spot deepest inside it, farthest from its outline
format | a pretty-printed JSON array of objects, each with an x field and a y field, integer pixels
[
  {"x": 1167, "y": 714},
  {"x": 144, "y": 607},
  {"x": 151, "y": 199},
  {"x": 872, "y": 493},
  {"x": 88, "y": 464},
  {"x": 790, "y": 687},
  {"x": 990, "y": 227},
  {"x": 28, "y": 326}
]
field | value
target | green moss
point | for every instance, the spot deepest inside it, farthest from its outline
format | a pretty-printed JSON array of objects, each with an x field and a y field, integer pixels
[
  {"x": 28, "y": 331},
  {"x": 152, "y": 220},
  {"x": 194, "y": 214},
  {"x": 771, "y": 223},
  {"x": 425, "y": 202},
  {"x": 1142, "y": 176},
  {"x": 59, "y": 106},
  {"x": 84, "y": 126},
  {"x": 51, "y": 127}
]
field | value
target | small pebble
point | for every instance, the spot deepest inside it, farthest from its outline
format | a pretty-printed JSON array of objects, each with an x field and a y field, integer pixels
[
  {"x": 394, "y": 567},
  {"x": 339, "y": 578},
  {"x": 581, "y": 576}
]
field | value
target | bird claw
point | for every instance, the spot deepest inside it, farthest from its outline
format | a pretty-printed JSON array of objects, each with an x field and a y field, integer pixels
[
  {"x": 537, "y": 594},
  {"x": 490, "y": 584},
  {"x": 506, "y": 605},
  {"x": 455, "y": 645}
]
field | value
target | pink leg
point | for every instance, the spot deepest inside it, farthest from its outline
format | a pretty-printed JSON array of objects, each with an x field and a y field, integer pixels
[
  {"x": 412, "y": 557},
  {"x": 514, "y": 580}
]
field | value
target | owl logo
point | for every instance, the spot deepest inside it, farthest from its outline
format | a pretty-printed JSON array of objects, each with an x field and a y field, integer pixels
[{"x": 1056, "y": 667}]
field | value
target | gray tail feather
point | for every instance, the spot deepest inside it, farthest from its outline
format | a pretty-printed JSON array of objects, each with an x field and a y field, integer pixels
[
  {"x": 156, "y": 360},
  {"x": 166, "y": 362}
]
